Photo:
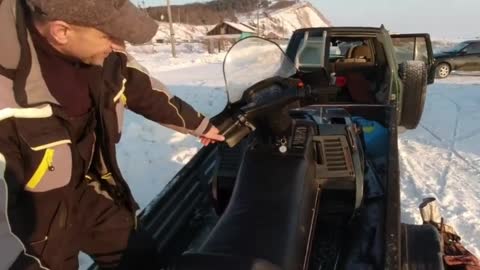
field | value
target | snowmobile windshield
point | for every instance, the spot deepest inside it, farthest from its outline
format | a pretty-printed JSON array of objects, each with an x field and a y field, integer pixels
[{"x": 253, "y": 60}]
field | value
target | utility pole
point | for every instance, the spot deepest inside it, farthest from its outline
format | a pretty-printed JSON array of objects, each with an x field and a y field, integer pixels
[
  {"x": 258, "y": 18},
  {"x": 172, "y": 33}
]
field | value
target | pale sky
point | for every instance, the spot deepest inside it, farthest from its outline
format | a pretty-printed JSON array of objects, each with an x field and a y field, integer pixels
[{"x": 441, "y": 18}]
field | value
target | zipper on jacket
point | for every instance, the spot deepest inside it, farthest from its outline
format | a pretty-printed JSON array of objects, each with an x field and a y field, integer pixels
[
  {"x": 92, "y": 153},
  {"x": 45, "y": 165},
  {"x": 122, "y": 191}
]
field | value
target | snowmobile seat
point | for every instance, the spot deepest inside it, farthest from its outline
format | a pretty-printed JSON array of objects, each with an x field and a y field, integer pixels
[{"x": 270, "y": 213}]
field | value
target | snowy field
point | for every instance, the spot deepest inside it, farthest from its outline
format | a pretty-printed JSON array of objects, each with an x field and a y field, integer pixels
[{"x": 441, "y": 158}]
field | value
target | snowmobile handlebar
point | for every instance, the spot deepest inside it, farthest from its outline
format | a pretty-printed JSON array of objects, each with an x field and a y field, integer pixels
[{"x": 265, "y": 102}]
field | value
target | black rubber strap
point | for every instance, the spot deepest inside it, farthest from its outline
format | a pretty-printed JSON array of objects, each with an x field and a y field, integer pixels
[{"x": 9, "y": 73}]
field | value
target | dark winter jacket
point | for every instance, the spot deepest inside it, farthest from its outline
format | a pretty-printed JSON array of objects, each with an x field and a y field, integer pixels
[{"x": 40, "y": 152}]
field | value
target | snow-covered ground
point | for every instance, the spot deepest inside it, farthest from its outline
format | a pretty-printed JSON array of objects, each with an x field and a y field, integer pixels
[
  {"x": 441, "y": 158},
  {"x": 149, "y": 154}
]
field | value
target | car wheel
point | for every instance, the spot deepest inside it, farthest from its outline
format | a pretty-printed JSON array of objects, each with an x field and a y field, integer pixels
[
  {"x": 414, "y": 80},
  {"x": 443, "y": 70}
]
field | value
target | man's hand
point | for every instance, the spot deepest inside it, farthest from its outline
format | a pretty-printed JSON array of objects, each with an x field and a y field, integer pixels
[{"x": 212, "y": 136}]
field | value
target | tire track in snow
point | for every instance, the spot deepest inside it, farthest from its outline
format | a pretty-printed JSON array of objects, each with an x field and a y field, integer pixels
[
  {"x": 472, "y": 166},
  {"x": 408, "y": 172},
  {"x": 432, "y": 133},
  {"x": 469, "y": 135},
  {"x": 445, "y": 164},
  {"x": 453, "y": 152},
  {"x": 409, "y": 188},
  {"x": 452, "y": 146}
]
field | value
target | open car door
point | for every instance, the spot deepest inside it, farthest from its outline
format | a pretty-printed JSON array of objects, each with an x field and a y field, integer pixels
[{"x": 415, "y": 47}]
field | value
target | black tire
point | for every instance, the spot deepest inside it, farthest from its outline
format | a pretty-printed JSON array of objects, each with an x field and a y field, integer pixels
[
  {"x": 421, "y": 248},
  {"x": 443, "y": 70},
  {"x": 414, "y": 79}
]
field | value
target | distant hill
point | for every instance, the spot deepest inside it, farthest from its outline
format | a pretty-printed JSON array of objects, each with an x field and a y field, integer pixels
[
  {"x": 213, "y": 12},
  {"x": 277, "y": 22}
]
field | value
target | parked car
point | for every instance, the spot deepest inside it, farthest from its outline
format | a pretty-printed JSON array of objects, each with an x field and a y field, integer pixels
[{"x": 465, "y": 56}]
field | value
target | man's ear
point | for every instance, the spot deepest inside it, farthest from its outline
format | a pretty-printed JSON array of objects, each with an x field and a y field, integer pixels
[
  {"x": 118, "y": 45},
  {"x": 59, "y": 32}
]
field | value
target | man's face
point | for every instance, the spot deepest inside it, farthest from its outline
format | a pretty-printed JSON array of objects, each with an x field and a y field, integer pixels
[
  {"x": 86, "y": 44},
  {"x": 90, "y": 45}
]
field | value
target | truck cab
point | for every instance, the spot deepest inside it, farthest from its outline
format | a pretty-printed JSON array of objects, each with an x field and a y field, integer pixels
[{"x": 370, "y": 65}]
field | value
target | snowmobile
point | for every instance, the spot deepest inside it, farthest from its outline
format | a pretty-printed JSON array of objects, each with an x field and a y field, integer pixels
[{"x": 300, "y": 183}]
